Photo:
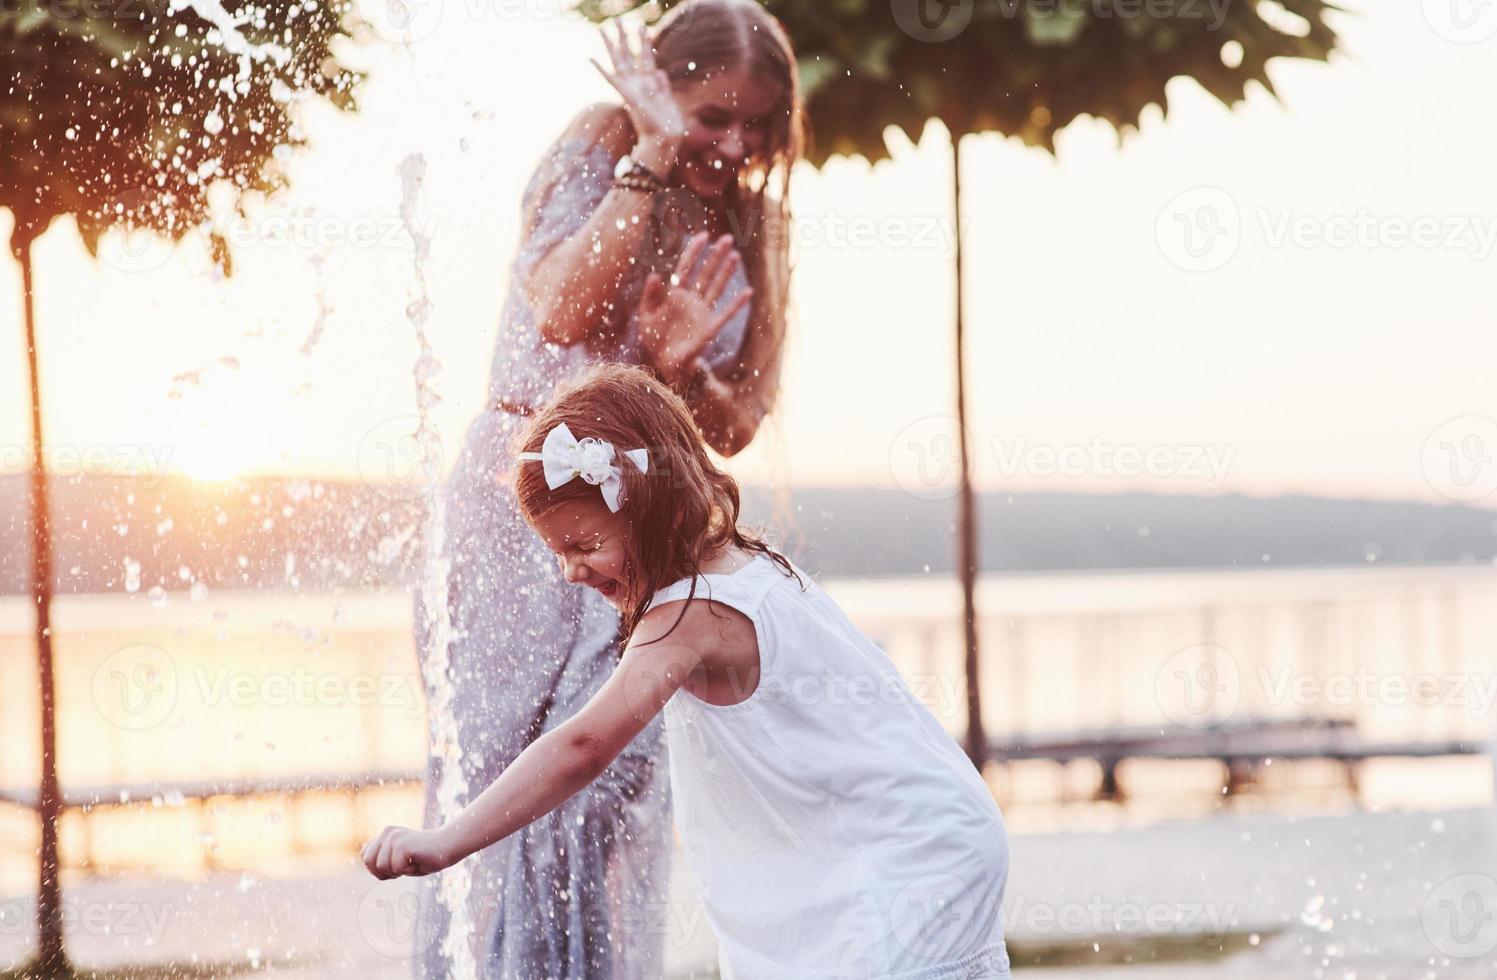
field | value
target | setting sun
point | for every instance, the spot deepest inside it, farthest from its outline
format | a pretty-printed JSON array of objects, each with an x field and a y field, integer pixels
[{"x": 212, "y": 450}]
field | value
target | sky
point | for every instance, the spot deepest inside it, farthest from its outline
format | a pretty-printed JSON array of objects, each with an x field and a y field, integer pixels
[{"x": 1295, "y": 296}]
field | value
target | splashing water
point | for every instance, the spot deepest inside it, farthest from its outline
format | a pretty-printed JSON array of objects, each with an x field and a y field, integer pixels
[
  {"x": 229, "y": 37},
  {"x": 314, "y": 337},
  {"x": 452, "y": 788}
]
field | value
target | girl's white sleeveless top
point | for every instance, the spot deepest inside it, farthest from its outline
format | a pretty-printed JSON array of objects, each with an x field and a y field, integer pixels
[{"x": 834, "y": 828}]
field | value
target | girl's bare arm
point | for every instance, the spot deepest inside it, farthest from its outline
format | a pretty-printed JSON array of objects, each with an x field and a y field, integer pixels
[
  {"x": 570, "y": 288},
  {"x": 728, "y": 415},
  {"x": 729, "y": 411},
  {"x": 555, "y": 766}
]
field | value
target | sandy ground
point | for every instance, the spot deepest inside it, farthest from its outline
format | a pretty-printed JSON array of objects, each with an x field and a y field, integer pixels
[{"x": 1368, "y": 896}]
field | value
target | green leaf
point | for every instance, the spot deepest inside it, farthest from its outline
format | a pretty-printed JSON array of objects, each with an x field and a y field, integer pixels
[{"x": 1059, "y": 26}]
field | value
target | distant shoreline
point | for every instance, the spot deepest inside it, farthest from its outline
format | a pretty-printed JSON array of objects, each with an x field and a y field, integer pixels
[
  {"x": 386, "y": 607},
  {"x": 114, "y": 532}
]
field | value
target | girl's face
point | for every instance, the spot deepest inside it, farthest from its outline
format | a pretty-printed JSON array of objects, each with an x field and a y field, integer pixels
[
  {"x": 588, "y": 540},
  {"x": 728, "y": 118}
]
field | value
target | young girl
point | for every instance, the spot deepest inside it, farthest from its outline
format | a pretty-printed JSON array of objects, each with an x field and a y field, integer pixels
[
  {"x": 709, "y": 104},
  {"x": 833, "y": 827}
]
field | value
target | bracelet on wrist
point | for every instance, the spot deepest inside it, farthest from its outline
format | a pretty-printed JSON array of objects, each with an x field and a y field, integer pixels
[
  {"x": 639, "y": 169},
  {"x": 632, "y": 184},
  {"x": 640, "y": 178}
]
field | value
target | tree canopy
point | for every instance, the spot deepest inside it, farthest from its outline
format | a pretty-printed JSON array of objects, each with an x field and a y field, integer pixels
[
  {"x": 127, "y": 111},
  {"x": 1024, "y": 68}
]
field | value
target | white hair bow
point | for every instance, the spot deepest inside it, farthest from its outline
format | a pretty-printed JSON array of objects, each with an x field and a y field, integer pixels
[{"x": 564, "y": 457}]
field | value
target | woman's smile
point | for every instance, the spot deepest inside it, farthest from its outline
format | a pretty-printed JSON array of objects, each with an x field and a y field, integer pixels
[
  {"x": 727, "y": 116},
  {"x": 715, "y": 172}
]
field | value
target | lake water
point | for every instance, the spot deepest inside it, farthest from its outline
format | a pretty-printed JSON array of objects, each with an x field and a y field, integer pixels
[{"x": 257, "y": 685}]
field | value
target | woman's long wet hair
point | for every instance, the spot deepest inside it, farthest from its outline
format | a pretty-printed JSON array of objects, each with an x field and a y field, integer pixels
[
  {"x": 705, "y": 37},
  {"x": 681, "y": 510}
]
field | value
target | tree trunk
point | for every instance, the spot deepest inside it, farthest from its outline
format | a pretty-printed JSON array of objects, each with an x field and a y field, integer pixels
[
  {"x": 977, "y": 742},
  {"x": 51, "y": 959}
]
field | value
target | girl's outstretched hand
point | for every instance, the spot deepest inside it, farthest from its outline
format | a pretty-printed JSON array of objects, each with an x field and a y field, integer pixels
[
  {"x": 401, "y": 851},
  {"x": 644, "y": 86},
  {"x": 678, "y": 319}
]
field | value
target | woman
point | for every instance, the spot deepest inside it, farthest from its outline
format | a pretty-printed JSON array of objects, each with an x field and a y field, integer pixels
[{"x": 609, "y": 268}]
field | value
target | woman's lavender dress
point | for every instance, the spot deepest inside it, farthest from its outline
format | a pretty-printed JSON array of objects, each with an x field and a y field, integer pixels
[{"x": 581, "y": 892}]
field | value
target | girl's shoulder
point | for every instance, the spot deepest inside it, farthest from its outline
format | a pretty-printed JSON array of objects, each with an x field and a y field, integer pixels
[
  {"x": 575, "y": 170},
  {"x": 602, "y": 124},
  {"x": 692, "y": 618}
]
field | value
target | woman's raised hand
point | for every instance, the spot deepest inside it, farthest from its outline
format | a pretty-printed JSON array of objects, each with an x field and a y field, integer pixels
[
  {"x": 645, "y": 88},
  {"x": 678, "y": 319}
]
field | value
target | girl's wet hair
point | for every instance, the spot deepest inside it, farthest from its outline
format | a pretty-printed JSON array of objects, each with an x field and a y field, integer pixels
[
  {"x": 682, "y": 510},
  {"x": 702, "y": 38}
]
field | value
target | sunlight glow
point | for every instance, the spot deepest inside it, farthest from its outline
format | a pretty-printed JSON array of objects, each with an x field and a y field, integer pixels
[{"x": 214, "y": 450}]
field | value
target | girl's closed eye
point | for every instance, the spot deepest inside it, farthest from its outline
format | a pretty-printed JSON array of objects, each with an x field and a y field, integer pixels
[{"x": 575, "y": 550}]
